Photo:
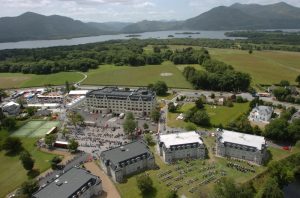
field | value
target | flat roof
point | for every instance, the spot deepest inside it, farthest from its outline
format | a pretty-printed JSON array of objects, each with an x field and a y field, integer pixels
[
  {"x": 125, "y": 152},
  {"x": 242, "y": 139},
  {"x": 180, "y": 138},
  {"x": 67, "y": 184},
  {"x": 78, "y": 92}
]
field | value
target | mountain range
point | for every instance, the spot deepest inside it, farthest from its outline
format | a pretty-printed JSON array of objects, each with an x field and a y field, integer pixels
[{"x": 32, "y": 26}]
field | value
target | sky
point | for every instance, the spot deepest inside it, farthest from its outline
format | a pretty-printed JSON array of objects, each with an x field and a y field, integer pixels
[{"x": 121, "y": 10}]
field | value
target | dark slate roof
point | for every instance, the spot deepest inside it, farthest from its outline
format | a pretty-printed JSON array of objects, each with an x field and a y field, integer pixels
[
  {"x": 67, "y": 184},
  {"x": 122, "y": 94},
  {"x": 122, "y": 154}
]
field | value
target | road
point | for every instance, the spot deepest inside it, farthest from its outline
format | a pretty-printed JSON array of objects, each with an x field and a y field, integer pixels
[{"x": 85, "y": 77}]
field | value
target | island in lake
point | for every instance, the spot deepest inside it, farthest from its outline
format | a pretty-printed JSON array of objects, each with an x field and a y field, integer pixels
[
  {"x": 133, "y": 35},
  {"x": 187, "y": 33}
]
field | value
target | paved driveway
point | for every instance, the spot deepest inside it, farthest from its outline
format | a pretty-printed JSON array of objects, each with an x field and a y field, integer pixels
[{"x": 110, "y": 191}]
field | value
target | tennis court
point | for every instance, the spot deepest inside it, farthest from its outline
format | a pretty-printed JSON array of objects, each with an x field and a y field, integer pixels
[{"x": 36, "y": 128}]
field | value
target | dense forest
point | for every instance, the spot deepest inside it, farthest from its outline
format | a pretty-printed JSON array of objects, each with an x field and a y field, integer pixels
[{"x": 218, "y": 76}]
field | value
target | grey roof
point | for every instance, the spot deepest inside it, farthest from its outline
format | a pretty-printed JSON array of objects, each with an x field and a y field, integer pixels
[
  {"x": 264, "y": 110},
  {"x": 67, "y": 184},
  {"x": 123, "y": 94},
  {"x": 125, "y": 153}
]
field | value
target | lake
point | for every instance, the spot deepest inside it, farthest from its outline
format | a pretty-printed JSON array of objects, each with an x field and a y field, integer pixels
[
  {"x": 292, "y": 190},
  {"x": 94, "y": 39}
]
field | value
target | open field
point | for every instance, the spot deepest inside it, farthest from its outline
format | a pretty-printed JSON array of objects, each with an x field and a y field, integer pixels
[
  {"x": 218, "y": 114},
  {"x": 13, "y": 174},
  {"x": 35, "y": 128},
  {"x": 15, "y": 80},
  {"x": 137, "y": 76},
  {"x": 265, "y": 67}
]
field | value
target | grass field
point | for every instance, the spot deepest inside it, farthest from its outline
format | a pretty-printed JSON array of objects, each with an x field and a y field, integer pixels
[
  {"x": 265, "y": 67},
  {"x": 12, "y": 172},
  {"x": 15, "y": 80},
  {"x": 137, "y": 76},
  {"x": 218, "y": 114},
  {"x": 36, "y": 128}
]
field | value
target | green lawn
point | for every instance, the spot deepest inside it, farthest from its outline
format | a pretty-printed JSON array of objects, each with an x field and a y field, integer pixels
[
  {"x": 15, "y": 80},
  {"x": 265, "y": 67},
  {"x": 12, "y": 172},
  {"x": 224, "y": 115},
  {"x": 137, "y": 76},
  {"x": 218, "y": 114}
]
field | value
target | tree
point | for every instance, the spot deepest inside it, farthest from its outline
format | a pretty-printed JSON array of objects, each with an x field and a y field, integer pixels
[
  {"x": 294, "y": 130},
  {"x": 199, "y": 104},
  {"x": 30, "y": 187},
  {"x": 144, "y": 183},
  {"x": 172, "y": 194},
  {"x": 161, "y": 88},
  {"x": 12, "y": 145},
  {"x": 149, "y": 139},
  {"x": 284, "y": 83},
  {"x": 171, "y": 107},
  {"x": 146, "y": 126},
  {"x": 282, "y": 172},
  {"x": 298, "y": 79},
  {"x": 190, "y": 127},
  {"x": 31, "y": 111},
  {"x": 67, "y": 86},
  {"x": 201, "y": 118},
  {"x": 227, "y": 189},
  {"x": 277, "y": 129},
  {"x": 9, "y": 123},
  {"x": 27, "y": 161},
  {"x": 50, "y": 140},
  {"x": 129, "y": 124},
  {"x": 55, "y": 161},
  {"x": 75, "y": 118},
  {"x": 73, "y": 145},
  {"x": 155, "y": 114},
  {"x": 270, "y": 190}
]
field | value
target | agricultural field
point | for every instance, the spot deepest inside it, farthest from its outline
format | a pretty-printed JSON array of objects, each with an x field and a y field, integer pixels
[
  {"x": 13, "y": 174},
  {"x": 35, "y": 128},
  {"x": 137, "y": 76},
  {"x": 16, "y": 80}
]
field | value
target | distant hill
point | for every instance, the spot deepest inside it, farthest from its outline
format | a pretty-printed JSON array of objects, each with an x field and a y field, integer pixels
[
  {"x": 32, "y": 26},
  {"x": 247, "y": 16},
  {"x": 109, "y": 26}
]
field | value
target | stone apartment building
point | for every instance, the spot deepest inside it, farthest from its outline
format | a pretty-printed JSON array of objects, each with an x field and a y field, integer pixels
[
  {"x": 243, "y": 146},
  {"x": 126, "y": 160},
  {"x": 177, "y": 146},
  {"x": 114, "y": 100}
]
